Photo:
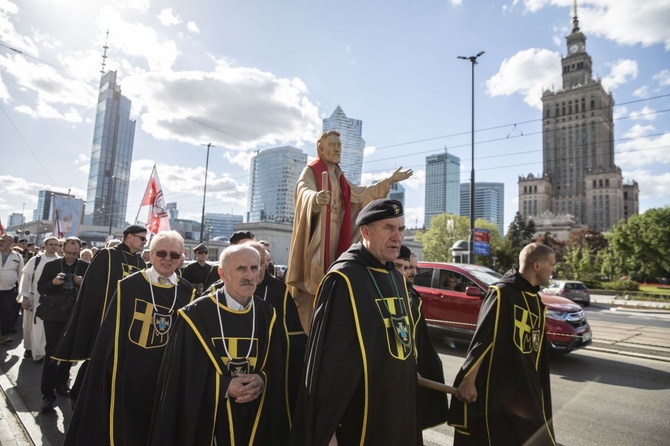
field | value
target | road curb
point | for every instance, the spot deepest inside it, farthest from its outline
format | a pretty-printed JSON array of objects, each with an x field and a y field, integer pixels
[
  {"x": 24, "y": 417},
  {"x": 625, "y": 353}
]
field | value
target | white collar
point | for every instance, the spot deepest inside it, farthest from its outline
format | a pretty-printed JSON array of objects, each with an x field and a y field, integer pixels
[
  {"x": 232, "y": 303},
  {"x": 153, "y": 275}
]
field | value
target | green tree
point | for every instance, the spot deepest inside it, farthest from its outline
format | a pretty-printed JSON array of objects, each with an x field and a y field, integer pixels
[
  {"x": 445, "y": 230},
  {"x": 641, "y": 246}
]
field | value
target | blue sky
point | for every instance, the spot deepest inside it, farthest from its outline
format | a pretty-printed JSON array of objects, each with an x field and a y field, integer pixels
[{"x": 251, "y": 75}]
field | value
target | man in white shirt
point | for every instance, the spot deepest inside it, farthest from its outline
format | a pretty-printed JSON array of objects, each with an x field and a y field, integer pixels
[
  {"x": 10, "y": 268},
  {"x": 34, "y": 340}
]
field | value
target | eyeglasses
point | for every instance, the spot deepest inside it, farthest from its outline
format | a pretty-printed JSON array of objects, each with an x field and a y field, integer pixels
[
  {"x": 173, "y": 255},
  {"x": 201, "y": 252},
  {"x": 144, "y": 239}
]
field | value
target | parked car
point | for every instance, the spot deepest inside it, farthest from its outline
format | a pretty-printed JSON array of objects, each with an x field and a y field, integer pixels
[
  {"x": 574, "y": 290},
  {"x": 453, "y": 312}
]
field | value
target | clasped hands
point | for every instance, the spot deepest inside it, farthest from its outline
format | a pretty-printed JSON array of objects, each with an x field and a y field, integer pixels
[{"x": 245, "y": 388}]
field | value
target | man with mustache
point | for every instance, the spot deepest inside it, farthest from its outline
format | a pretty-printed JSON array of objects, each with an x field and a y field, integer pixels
[{"x": 222, "y": 377}]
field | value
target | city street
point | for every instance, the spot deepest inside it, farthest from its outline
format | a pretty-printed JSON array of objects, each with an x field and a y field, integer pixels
[{"x": 611, "y": 393}]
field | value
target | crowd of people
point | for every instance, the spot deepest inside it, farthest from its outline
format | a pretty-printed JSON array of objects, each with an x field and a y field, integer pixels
[{"x": 225, "y": 354}]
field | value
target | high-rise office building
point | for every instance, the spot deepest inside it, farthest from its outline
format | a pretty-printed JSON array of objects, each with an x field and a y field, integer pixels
[
  {"x": 111, "y": 156},
  {"x": 353, "y": 144},
  {"x": 443, "y": 179},
  {"x": 579, "y": 175},
  {"x": 16, "y": 219},
  {"x": 220, "y": 226},
  {"x": 272, "y": 178},
  {"x": 44, "y": 210},
  {"x": 397, "y": 192},
  {"x": 489, "y": 202}
]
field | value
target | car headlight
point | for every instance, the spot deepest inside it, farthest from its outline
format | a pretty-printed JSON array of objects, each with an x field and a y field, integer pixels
[{"x": 557, "y": 315}]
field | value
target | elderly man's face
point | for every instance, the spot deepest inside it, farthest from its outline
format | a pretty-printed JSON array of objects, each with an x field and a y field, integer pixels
[
  {"x": 330, "y": 150},
  {"x": 240, "y": 273},
  {"x": 383, "y": 238},
  {"x": 162, "y": 255}
]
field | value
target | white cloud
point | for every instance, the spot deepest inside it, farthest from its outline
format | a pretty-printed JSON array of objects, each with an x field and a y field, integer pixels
[
  {"x": 4, "y": 93},
  {"x": 663, "y": 78},
  {"x": 242, "y": 159},
  {"x": 236, "y": 108},
  {"x": 621, "y": 72},
  {"x": 647, "y": 114},
  {"x": 620, "y": 112},
  {"x": 44, "y": 110},
  {"x": 628, "y": 22},
  {"x": 413, "y": 215},
  {"x": 191, "y": 26},
  {"x": 83, "y": 163},
  {"x": 641, "y": 150},
  {"x": 651, "y": 185},
  {"x": 25, "y": 191},
  {"x": 368, "y": 151},
  {"x": 167, "y": 17},
  {"x": 528, "y": 73},
  {"x": 8, "y": 34},
  {"x": 641, "y": 92}
]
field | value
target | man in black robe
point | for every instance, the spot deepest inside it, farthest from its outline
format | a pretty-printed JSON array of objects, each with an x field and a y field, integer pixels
[
  {"x": 503, "y": 394},
  {"x": 107, "y": 267},
  {"x": 432, "y": 405},
  {"x": 360, "y": 375},
  {"x": 275, "y": 292},
  {"x": 200, "y": 273},
  {"x": 117, "y": 396},
  {"x": 222, "y": 377}
]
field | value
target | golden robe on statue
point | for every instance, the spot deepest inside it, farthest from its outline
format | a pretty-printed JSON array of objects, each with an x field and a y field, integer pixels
[{"x": 306, "y": 259}]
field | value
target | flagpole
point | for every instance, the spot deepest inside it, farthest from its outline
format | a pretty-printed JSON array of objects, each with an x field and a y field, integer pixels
[{"x": 145, "y": 193}]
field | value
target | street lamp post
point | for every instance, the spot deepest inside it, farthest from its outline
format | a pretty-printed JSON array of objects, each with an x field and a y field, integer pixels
[
  {"x": 204, "y": 194},
  {"x": 471, "y": 253}
]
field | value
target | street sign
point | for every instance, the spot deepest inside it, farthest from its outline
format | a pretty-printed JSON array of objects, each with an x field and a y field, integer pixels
[{"x": 482, "y": 246}]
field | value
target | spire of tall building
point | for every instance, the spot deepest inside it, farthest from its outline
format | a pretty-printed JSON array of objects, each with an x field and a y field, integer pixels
[{"x": 111, "y": 154}]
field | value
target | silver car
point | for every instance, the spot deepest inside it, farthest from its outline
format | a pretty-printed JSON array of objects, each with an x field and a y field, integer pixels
[{"x": 574, "y": 290}]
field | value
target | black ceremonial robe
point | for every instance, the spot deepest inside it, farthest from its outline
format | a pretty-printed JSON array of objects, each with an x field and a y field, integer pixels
[
  {"x": 359, "y": 377},
  {"x": 205, "y": 275},
  {"x": 192, "y": 407},
  {"x": 432, "y": 405},
  {"x": 117, "y": 396},
  {"x": 275, "y": 292},
  {"x": 107, "y": 267},
  {"x": 513, "y": 395}
]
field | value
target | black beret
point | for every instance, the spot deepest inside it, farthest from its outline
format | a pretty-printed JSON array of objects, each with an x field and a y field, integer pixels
[
  {"x": 200, "y": 247},
  {"x": 405, "y": 253},
  {"x": 379, "y": 210},
  {"x": 23, "y": 240},
  {"x": 134, "y": 229},
  {"x": 239, "y": 236}
]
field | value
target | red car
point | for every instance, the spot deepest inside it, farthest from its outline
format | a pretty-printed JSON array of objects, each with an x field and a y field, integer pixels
[{"x": 452, "y": 294}]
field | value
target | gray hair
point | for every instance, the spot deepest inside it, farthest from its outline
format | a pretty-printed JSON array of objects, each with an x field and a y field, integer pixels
[
  {"x": 234, "y": 249},
  {"x": 172, "y": 236}
]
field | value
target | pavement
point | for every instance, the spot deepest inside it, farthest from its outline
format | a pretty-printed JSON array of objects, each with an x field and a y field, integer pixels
[{"x": 21, "y": 423}]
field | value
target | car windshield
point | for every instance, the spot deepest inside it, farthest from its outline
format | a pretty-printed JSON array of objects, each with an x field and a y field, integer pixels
[
  {"x": 487, "y": 276},
  {"x": 574, "y": 286}
]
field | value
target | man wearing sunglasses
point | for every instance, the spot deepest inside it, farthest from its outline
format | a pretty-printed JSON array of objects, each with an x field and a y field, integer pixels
[
  {"x": 117, "y": 398},
  {"x": 200, "y": 273},
  {"x": 108, "y": 267}
]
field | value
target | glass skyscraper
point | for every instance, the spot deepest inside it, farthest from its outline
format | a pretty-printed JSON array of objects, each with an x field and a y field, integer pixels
[
  {"x": 489, "y": 202},
  {"x": 272, "y": 178},
  {"x": 443, "y": 179},
  {"x": 351, "y": 131},
  {"x": 111, "y": 156}
]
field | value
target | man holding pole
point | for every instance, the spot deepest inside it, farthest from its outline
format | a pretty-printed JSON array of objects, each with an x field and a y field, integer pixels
[
  {"x": 360, "y": 374},
  {"x": 326, "y": 207}
]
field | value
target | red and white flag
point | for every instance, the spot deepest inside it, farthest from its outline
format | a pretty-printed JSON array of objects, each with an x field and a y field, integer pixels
[{"x": 154, "y": 202}]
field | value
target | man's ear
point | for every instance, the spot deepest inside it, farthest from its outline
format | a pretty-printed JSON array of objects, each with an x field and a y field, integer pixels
[
  {"x": 365, "y": 232},
  {"x": 221, "y": 274}
]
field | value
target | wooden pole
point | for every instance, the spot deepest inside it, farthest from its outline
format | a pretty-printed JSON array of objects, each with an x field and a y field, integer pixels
[{"x": 434, "y": 385}]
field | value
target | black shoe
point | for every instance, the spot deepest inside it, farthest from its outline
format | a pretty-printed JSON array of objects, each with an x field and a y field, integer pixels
[
  {"x": 28, "y": 354},
  {"x": 63, "y": 390},
  {"x": 48, "y": 403}
]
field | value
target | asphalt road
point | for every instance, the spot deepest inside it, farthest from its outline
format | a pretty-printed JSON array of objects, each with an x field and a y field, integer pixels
[{"x": 598, "y": 397}]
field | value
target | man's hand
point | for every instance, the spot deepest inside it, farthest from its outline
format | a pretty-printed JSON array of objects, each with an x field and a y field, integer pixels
[
  {"x": 78, "y": 280},
  {"x": 58, "y": 280},
  {"x": 399, "y": 175},
  {"x": 322, "y": 198},
  {"x": 25, "y": 303},
  {"x": 245, "y": 388},
  {"x": 467, "y": 392}
]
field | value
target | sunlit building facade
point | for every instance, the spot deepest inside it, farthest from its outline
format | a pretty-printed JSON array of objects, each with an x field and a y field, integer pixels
[{"x": 443, "y": 179}]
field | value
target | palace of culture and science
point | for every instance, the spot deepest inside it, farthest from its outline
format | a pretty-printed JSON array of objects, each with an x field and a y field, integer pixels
[{"x": 579, "y": 176}]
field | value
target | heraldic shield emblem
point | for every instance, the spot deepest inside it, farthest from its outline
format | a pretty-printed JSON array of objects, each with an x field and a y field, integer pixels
[
  {"x": 398, "y": 327},
  {"x": 526, "y": 333},
  {"x": 162, "y": 323}
]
